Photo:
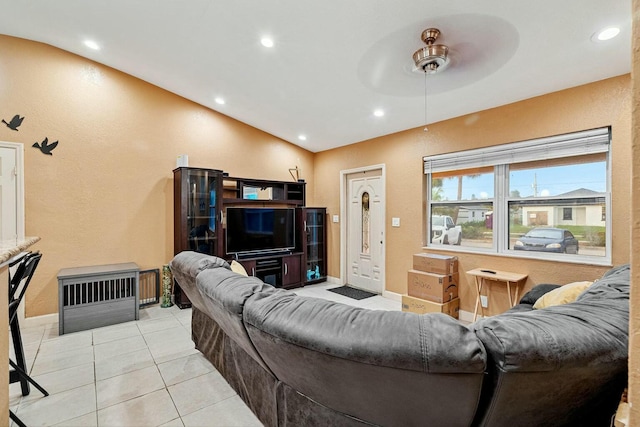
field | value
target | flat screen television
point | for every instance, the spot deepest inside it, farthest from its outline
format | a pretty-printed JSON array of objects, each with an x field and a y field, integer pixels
[{"x": 257, "y": 230}]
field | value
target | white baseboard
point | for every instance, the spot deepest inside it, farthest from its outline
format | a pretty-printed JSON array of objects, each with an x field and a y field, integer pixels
[
  {"x": 464, "y": 316},
  {"x": 35, "y": 321},
  {"x": 392, "y": 296},
  {"x": 334, "y": 280},
  {"x": 467, "y": 316}
]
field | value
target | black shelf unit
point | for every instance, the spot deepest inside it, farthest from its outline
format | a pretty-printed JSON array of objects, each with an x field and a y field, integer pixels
[
  {"x": 196, "y": 216},
  {"x": 200, "y": 198},
  {"x": 240, "y": 191},
  {"x": 314, "y": 243}
]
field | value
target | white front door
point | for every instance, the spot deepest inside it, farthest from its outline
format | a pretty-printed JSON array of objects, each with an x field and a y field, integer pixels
[
  {"x": 8, "y": 194},
  {"x": 365, "y": 230}
]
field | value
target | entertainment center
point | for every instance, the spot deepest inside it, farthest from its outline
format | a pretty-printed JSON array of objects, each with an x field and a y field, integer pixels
[{"x": 262, "y": 224}]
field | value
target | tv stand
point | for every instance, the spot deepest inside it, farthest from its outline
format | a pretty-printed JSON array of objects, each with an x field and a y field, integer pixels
[
  {"x": 262, "y": 254},
  {"x": 201, "y": 197},
  {"x": 282, "y": 270}
]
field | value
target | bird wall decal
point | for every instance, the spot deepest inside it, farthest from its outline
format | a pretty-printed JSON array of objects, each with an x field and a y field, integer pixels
[
  {"x": 45, "y": 147},
  {"x": 14, "y": 123}
]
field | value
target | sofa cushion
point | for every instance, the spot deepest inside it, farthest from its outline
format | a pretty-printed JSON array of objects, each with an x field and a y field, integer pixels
[
  {"x": 434, "y": 343},
  {"x": 562, "y": 295},
  {"x": 383, "y": 367},
  {"x": 613, "y": 287}
]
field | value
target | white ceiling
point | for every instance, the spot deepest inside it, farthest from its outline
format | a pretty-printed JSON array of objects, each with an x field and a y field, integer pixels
[{"x": 335, "y": 61}]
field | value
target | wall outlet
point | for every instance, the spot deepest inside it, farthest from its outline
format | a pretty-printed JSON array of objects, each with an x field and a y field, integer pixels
[{"x": 484, "y": 301}]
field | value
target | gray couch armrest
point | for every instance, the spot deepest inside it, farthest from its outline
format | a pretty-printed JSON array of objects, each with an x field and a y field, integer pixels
[
  {"x": 555, "y": 337},
  {"x": 186, "y": 266},
  {"x": 592, "y": 330}
]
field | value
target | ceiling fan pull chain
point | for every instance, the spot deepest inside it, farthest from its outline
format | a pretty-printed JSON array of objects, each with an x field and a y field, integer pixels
[{"x": 426, "y": 129}]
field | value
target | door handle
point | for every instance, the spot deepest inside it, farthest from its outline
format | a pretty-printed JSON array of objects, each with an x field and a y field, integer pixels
[{"x": 286, "y": 269}]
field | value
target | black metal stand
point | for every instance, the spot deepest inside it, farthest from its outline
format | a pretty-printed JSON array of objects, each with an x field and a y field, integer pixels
[{"x": 18, "y": 282}]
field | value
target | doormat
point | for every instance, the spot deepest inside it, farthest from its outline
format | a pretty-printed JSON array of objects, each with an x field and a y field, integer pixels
[{"x": 352, "y": 292}]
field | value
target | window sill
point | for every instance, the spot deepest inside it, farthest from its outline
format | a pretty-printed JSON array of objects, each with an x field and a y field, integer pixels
[{"x": 565, "y": 259}]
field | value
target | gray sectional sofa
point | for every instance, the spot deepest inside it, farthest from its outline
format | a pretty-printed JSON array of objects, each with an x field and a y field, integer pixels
[{"x": 300, "y": 361}]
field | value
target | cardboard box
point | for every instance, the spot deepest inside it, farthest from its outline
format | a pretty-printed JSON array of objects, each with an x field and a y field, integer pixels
[
  {"x": 421, "y": 306},
  {"x": 431, "y": 286},
  {"x": 433, "y": 263}
]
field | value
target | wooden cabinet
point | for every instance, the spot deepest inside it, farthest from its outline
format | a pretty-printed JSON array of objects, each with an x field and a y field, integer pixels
[
  {"x": 200, "y": 199},
  {"x": 196, "y": 216},
  {"x": 249, "y": 266},
  {"x": 280, "y": 271},
  {"x": 314, "y": 244},
  {"x": 291, "y": 273}
]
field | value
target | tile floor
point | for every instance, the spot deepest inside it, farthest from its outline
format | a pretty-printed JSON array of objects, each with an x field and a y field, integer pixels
[{"x": 139, "y": 373}]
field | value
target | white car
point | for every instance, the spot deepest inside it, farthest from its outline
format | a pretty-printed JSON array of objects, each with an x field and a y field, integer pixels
[{"x": 444, "y": 231}]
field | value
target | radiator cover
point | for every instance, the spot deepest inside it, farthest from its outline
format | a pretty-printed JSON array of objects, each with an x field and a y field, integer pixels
[{"x": 96, "y": 296}]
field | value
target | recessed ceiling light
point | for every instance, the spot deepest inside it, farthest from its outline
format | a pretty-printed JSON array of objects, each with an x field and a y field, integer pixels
[
  {"x": 219, "y": 101},
  {"x": 267, "y": 42},
  {"x": 302, "y": 137},
  {"x": 378, "y": 113},
  {"x": 92, "y": 45},
  {"x": 605, "y": 34}
]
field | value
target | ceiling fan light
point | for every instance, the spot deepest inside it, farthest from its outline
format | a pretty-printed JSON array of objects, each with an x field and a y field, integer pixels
[{"x": 432, "y": 58}]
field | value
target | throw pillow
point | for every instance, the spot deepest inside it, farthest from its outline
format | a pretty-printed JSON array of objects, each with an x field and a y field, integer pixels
[
  {"x": 238, "y": 268},
  {"x": 562, "y": 295},
  {"x": 536, "y": 292}
]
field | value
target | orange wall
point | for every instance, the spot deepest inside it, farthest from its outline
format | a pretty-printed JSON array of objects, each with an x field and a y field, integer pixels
[
  {"x": 106, "y": 194},
  {"x": 595, "y": 105}
]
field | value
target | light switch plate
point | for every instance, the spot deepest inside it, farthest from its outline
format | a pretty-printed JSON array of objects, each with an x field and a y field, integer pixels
[
  {"x": 395, "y": 222},
  {"x": 336, "y": 218}
]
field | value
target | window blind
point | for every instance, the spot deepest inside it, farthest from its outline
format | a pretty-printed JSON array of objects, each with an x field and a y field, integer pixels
[{"x": 568, "y": 145}]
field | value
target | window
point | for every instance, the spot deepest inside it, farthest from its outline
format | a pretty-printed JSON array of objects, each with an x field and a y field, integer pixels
[
  {"x": 456, "y": 198},
  {"x": 544, "y": 198}
]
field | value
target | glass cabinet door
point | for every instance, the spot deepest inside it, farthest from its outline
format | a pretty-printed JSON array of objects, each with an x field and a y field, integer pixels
[
  {"x": 202, "y": 211},
  {"x": 315, "y": 234}
]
